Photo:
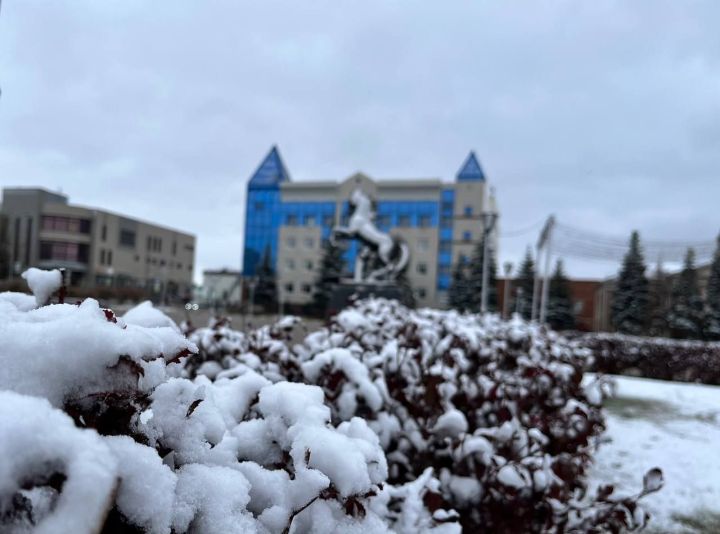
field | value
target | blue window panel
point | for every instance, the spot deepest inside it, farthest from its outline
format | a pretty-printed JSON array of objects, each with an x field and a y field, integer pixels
[
  {"x": 262, "y": 223},
  {"x": 471, "y": 170},
  {"x": 444, "y": 258},
  {"x": 443, "y": 282},
  {"x": 446, "y": 234}
]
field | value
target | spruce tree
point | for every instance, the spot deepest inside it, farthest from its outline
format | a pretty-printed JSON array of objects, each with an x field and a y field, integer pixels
[
  {"x": 659, "y": 303},
  {"x": 332, "y": 266},
  {"x": 687, "y": 317},
  {"x": 475, "y": 281},
  {"x": 629, "y": 312},
  {"x": 266, "y": 289},
  {"x": 712, "y": 299},
  {"x": 458, "y": 292},
  {"x": 524, "y": 286},
  {"x": 560, "y": 315}
]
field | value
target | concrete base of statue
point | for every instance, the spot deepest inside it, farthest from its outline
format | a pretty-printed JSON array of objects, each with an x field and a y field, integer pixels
[{"x": 345, "y": 293}]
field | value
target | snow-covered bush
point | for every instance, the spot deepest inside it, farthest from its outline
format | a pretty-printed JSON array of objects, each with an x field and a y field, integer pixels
[
  {"x": 660, "y": 358},
  {"x": 495, "y": 410},
  {"x": 102, "y": 430}
]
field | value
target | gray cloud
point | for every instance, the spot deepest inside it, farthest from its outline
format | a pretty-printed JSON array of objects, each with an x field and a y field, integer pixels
[{"x": 604, "y": 113}]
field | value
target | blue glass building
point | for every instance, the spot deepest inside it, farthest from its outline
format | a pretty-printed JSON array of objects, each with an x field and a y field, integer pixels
[{"x": 286, "y": 221}]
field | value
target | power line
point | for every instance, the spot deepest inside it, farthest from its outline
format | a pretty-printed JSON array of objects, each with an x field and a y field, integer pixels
[
  {"x": 522, "y": 231},
  {"x": 576, "y": 242}
]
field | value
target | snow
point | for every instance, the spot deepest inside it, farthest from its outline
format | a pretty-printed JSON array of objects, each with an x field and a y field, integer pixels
[
  {"x": 145, "y": 314},
  {"x": 64, "y": 350},
  {"x": 80, "y": 455},
  {"x": 147, "y": 486},
  {"x": 42, "y": 283},
  {"x": 674, "y": 426},
  {"x": 510, "y": 476},
  {"x": 452, "y": 423}
]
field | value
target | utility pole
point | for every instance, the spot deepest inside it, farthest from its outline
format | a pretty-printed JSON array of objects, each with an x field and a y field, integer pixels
[
  {"x": 506, "y": 293},
  {"x": 489, "y": 219},
  {"x": 546, "y": 281},
  {"x": 538, "y": 287}
]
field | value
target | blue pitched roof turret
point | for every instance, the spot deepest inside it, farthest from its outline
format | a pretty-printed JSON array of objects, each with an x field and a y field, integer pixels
[
  {"x": 471, "y": 169},
  {"x": 271, "y": 171}
]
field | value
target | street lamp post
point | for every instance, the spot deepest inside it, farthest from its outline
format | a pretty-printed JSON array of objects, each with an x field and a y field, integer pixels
[
  {"x": 489, "y": 218},
  {"x": 506, "y": 293}
]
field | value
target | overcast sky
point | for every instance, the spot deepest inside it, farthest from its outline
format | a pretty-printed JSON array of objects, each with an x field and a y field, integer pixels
[{"x": 606, "y": 113}]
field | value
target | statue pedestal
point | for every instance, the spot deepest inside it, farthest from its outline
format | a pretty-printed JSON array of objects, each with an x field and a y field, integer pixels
[{"x": 344, "y": 292}]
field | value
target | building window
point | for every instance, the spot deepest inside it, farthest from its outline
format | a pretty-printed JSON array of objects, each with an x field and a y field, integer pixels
[
  {"x": 290, "y": 264},
  {"x": 149, "y": 243},
  {"x": 421, "y": 293},
  {"x": 383, "y": 221},
  {"x": 422, "y": 268},
  {"x": 446, "y": 222},
  {"x": 307, "y": 288},
  {"x": 467, "y": 236},
  {"x": 328, "y": 221},
  {"x": 423, "y": 244},
  {"x": 259, "y": 206},
  {"x": 404, "y": 221},
  {"x": 309, "y": 265},
  {"x": 16, "y": 243},
  {"x": 444, "y": 270},
  {"x": 468, "y": 211},
  {"x": 137, "y": 258},
  {"x": 447, "y": 206},
  {"x": 310, "y": 220},
  {"x": 65, "y": 224},
  {"x": 103, "y": 232},
  {"x": 127, "y": 238},
  {"x": 289, "y": 287},
  {"x": 309, "y": 242},
  {"x": 174, "y": 248},
  {"x": 102, "y": 256},
  {"x": 463, "y": 259},
  {"x": 291, "y": 220},
  {"x": 58, "y": 251},
  {"x": 189, "y": 248},
  {"x": 424, "y": 221},
  {"x": 291, "y": 242},
  {"x": 445, "y": 247}
]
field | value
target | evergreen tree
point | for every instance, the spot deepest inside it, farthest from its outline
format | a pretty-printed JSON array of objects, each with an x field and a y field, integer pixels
[
  {"x": 687, "y": 317},
  {"x": 629, "y": 312},
  {"x": 524, "y": 285},
  {"x": 332, "y": 266},
  {"x": 459, "y": 291},
  {"x": 659, "y": 303},
  {"x": 560, "y": 315},
  {"x": 476, "y": 279},
  {"x": 712, "y": 323},
  {"x": 266, "y": 289}
]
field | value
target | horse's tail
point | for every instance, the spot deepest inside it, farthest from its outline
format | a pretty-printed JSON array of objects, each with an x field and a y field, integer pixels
[{"x": 404, "y": 256}]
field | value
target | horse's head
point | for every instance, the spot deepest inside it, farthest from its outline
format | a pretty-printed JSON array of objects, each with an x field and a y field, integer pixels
[{"x": 359, "y": 199}]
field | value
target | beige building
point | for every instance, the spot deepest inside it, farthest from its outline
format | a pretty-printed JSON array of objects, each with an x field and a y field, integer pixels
[
  {"x": 441, "y": 221},
  {"x": 96, "y": 248}
]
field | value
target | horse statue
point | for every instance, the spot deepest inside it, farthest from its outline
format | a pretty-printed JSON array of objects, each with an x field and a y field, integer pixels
[{"x": 392, "y": 253}]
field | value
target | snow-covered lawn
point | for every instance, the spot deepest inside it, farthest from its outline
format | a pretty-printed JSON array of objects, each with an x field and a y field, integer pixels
[{"x": 672, "y": 426}]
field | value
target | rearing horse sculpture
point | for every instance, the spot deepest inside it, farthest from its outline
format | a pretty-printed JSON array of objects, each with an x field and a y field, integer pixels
[{"x": 394, "y": 254}]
